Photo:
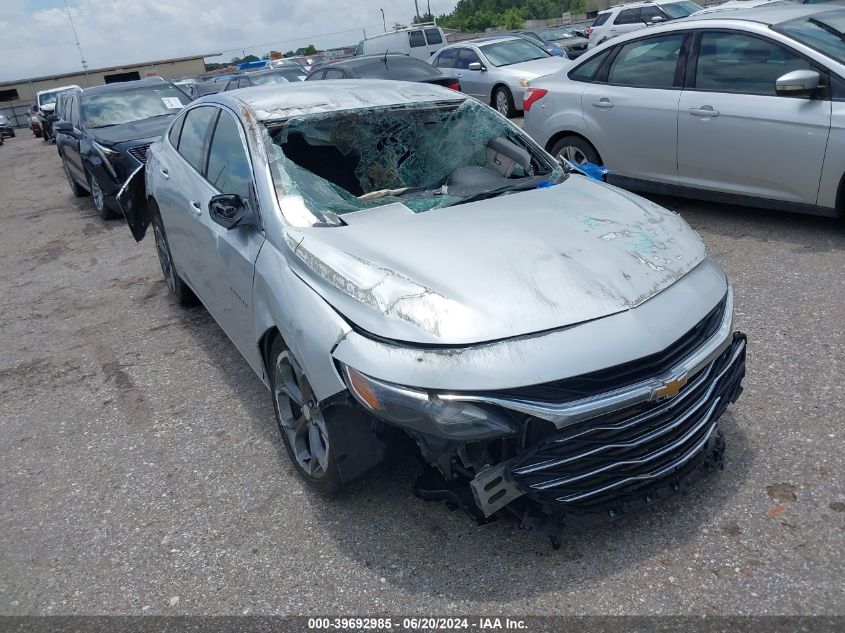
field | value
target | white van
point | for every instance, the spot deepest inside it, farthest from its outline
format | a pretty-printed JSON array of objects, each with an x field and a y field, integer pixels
[{"x": 420, "y": 41}]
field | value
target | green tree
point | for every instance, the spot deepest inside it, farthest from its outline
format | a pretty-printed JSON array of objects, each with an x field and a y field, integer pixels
[{"x": 511, "y": 20}]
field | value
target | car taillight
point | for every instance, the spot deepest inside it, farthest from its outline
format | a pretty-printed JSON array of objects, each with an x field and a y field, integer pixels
[
  {"x": 588, "y": 31},
  {"x": 454, "y": 86},
  {"x": 532, "y": 95}
]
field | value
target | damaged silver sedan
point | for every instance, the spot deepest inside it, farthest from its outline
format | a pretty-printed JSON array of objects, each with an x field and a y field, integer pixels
[{"x": 396, "y": 261}]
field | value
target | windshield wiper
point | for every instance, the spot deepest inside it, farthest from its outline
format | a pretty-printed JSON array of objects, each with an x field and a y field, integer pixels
[
  {"x": 827, "y": 27},
  {"x": 522, "y": 185}
]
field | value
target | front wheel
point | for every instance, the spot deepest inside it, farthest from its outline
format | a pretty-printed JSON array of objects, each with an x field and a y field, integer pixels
[
  {"x": 98, "y": 199},
  {"x": 503, "y": 100},
  {"x": 306, "y": 429},
  {"x": 184, "y": 295}
]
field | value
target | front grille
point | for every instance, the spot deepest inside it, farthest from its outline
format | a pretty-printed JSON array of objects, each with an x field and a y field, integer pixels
[
  {"x": 139, "y": 152},
  {"x": 622, "y": 452},
  {"x": 602, "y": 381}
]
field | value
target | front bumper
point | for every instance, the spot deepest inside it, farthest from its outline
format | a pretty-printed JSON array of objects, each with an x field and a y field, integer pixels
[
  {"x": 627, "y": 457},
  {"x": 7, "y": 132}
]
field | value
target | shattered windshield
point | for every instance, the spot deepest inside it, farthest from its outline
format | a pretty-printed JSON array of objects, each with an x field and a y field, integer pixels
[
  {"x": 824, "y": 32},
  {"x": 422, "y": 156}
]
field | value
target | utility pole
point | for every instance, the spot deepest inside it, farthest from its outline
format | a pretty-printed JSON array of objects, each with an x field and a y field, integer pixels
[
  {"x": 383, "y": 20},
  {"x": 78, "y": 45},
  {"x": 430, "y": 14},
  {"x": 417, "y": 7}
]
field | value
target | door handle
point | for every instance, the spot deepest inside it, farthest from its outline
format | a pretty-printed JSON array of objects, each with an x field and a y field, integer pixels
[
  {"x": 196, "y": 208},
  {"x": 164, "y": 173},
  {"x": 704, "y": 110},
  {"x": 604, "y": 102}
]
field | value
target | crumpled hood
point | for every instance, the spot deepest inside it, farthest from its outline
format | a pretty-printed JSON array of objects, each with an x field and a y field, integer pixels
[
  {"x": 493, "y": 269},
  {"x": 136, "y": 130}
]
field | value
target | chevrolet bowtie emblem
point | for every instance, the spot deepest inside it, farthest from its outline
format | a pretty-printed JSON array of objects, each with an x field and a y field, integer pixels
[{"x": 670, "y": 389}]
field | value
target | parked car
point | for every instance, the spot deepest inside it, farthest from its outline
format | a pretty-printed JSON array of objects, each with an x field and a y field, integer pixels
[
  {"x": 289, "y": 63},
  {"x": 397, "y": 259},
  {"x": 261, "y": 78},
  {"x": 45, "y": 100},
  {"x": 34, "y": 121},
  {"x": 715, "y": 119},
  {"x": 420, "y": 41},
  {"x": 551, "y": 49},
  {"x": 6, "y": 129},
  {"x": 564, "y": 38},
  {"x": 633, "y": 16},
  {"x": 392, "y": 66},
  {"x": 108, "y": 131},
  {"x": 497, "y": 71}
]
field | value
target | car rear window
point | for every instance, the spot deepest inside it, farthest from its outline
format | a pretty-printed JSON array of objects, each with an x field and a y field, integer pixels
[
  {"x": 601, "y": 18},
  {"x": 399, "y": 68}
]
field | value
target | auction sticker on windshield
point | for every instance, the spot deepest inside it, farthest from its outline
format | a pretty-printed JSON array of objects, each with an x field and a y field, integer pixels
[{"x": 172, "y": 102}]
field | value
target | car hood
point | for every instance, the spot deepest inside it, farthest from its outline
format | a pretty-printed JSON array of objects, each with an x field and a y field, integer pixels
[
  {"x": 538, "y": 67},
  {"x": 571, "y": 41},
  {"x": 494, "y": 269},
  {"x": 143, "y": 129}
]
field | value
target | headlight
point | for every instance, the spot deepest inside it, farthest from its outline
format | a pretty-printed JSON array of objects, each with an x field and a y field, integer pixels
[
  {"x": 109, "y": 156},
  {"x": 424, "y": 412},
  {"x": 524, "y": 81}
]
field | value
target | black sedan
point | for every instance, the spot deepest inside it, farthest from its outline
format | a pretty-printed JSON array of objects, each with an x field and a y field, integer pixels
[
  {"x": 389, "y": 66},
  {"x": 107, "y": 133},
  {"x": 6, "y": 128},
  {"x": 264, "y": 77}
]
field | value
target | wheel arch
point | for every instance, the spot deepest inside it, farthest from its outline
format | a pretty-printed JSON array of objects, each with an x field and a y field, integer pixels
[{"x": 554, "y": 138}]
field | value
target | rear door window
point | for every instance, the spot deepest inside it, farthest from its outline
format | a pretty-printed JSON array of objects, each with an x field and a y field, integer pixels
[
  {"x": 416, "y": 39},
  {"x": 647, "y": 63},
  {"x": 447, "y": 58},
  {"x": 193, "y": 140},
  {"x": 175, "y": 130},
  {"x": 628, "y": 16}
]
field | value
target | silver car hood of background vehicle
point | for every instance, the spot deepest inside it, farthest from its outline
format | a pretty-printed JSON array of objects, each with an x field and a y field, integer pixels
[
  {"x": 536, "y": 67},
  {"x": 500, "y": 268}
]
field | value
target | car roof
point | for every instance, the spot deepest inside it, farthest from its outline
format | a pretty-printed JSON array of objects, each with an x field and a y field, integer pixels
[
  {"x": 494, "y": 39},
  {"x": 635, "y": 5},
  {"x": 769, "y": 14},
  {"x": 283, "y": 101},
  {"x": 124, "y": 85}
]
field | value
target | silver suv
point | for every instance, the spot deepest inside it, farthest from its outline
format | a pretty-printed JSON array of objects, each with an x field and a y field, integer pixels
[{"x": 624, "y": 18}]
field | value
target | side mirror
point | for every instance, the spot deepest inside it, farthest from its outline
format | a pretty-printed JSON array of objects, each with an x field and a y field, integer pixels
[
  {"x": 656, "y": 20},
  {"x": 798, "y": 83},
  {"x": 62, "y": 127},
  {"x": 475, "y": 66},
  {"x": 229, "y": 210}
]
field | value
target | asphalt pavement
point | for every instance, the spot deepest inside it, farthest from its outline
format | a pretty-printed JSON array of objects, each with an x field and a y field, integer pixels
[{"x": 143, "y": 472}]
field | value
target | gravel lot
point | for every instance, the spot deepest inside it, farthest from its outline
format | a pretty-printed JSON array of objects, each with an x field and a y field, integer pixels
[{"x": 142, "y": 470}]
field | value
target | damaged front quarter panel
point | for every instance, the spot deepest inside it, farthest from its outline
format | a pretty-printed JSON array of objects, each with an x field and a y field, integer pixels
[{"x": 132, "y": 200}]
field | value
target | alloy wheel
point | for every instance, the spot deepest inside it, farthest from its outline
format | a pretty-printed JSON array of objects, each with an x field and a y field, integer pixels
[
  {"x": 164, "y": 258},
  {"x": 502, "y": 104},
  {"x": 97, "y": 196},
  {"x": 573, "y": 155},
  {"x": 301, "y": 418}
]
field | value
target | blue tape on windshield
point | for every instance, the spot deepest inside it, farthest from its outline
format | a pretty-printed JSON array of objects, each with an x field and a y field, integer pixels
[{"x": 596, "y": 172}]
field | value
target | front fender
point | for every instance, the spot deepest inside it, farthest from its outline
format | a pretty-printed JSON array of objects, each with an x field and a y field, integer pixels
[{"x": 309, "y": 325}]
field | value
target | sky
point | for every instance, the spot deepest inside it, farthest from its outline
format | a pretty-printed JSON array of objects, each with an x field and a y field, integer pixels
[{"x": 37, "y": 38}]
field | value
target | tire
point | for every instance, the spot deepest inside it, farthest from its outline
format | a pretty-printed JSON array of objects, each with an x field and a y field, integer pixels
[
  {"x": 75, "y": 187},
  {"x": 503, "y": 101},
  {"x": 13, "y": 134},
  {"x": 576, "y": 150},
  {"x": 37, "y": 133},
  {"x": 307, "y": 431},
  {"x": 98, "y": 199},
  {"x": 184, "y": 295}
]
